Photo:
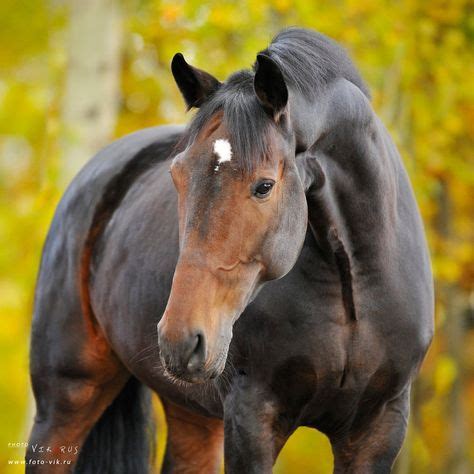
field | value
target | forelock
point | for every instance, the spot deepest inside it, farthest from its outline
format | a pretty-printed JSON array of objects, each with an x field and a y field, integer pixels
[{"x": 247, "y": 124}]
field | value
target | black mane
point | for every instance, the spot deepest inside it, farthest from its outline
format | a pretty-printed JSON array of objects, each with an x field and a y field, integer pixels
[
  {"x": 308, "y": 61},
  {"x": 243, "y": 116}
]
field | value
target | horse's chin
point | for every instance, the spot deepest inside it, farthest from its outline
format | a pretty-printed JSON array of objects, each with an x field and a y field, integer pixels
[
  {"x": 208, "y": 373},
  {"x": 185, "y": 379},
  {"x": 196, "y": 378}
]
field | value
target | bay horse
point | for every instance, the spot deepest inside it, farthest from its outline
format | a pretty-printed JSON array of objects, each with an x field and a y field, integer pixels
[{"x": 261, "y": 269}]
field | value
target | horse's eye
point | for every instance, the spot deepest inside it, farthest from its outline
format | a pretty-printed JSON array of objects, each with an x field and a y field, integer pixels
[{"x": 262, "y": 189}]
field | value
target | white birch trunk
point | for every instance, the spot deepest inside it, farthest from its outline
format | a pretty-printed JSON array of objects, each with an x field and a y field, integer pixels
[{"x": 91, "y": 96}]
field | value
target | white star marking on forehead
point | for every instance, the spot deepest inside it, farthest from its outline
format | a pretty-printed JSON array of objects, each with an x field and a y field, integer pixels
[{"x": 223, "y": 150}]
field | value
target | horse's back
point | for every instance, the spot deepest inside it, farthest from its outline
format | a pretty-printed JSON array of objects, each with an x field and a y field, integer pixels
[{"x": 57, "y": 311}]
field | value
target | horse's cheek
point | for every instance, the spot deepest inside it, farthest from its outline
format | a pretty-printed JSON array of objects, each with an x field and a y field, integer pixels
[
  {"x": 289, "y": 234},
  {"x": 296, "y": 230}
]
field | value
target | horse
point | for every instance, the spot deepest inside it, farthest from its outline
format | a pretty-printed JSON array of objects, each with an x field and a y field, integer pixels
[{"x": 260, "y": 269}]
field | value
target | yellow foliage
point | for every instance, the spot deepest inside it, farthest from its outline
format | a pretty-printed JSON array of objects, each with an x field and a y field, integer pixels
[{"x": 444, "y": 375}]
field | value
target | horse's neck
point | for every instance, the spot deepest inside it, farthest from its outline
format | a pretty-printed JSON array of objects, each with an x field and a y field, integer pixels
[{"x": 355, "y": 208}]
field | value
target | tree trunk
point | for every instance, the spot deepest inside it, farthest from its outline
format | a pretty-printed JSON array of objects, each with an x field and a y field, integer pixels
[
  {"x": 91, "y": 96},
  {"x": 455, "y": 304}
]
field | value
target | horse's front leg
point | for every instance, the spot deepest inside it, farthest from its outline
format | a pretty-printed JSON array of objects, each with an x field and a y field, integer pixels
[
  {"x": 373, "y": 447},
  {"x": 252, "y": 435}
]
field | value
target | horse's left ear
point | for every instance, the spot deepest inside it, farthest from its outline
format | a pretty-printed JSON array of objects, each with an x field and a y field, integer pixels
[
  {"x": 270, "y": 86},
  {"x": 195, "y": 85}
]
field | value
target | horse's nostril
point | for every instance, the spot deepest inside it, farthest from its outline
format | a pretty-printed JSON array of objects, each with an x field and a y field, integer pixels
[{"x": 196, "y": 358}]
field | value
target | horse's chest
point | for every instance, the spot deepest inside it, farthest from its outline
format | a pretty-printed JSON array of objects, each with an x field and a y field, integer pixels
[{"x": 296, "y": 340}]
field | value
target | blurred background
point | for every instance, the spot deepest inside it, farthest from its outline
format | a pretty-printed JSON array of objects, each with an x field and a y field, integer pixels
[{"x": 76, "y": 74}]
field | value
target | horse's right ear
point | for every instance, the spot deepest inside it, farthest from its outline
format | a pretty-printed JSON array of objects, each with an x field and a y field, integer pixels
[{"x": 195, "y": 85}]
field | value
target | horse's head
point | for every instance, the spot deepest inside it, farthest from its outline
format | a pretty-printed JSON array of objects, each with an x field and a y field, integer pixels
[{"x": 242, "y": 211}]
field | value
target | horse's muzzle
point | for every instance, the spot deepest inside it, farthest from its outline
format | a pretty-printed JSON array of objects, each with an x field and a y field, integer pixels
[{"x": 184, "y": 357}]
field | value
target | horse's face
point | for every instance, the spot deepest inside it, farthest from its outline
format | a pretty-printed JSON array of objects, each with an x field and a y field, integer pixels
[{"x": 237, "y": 230}]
